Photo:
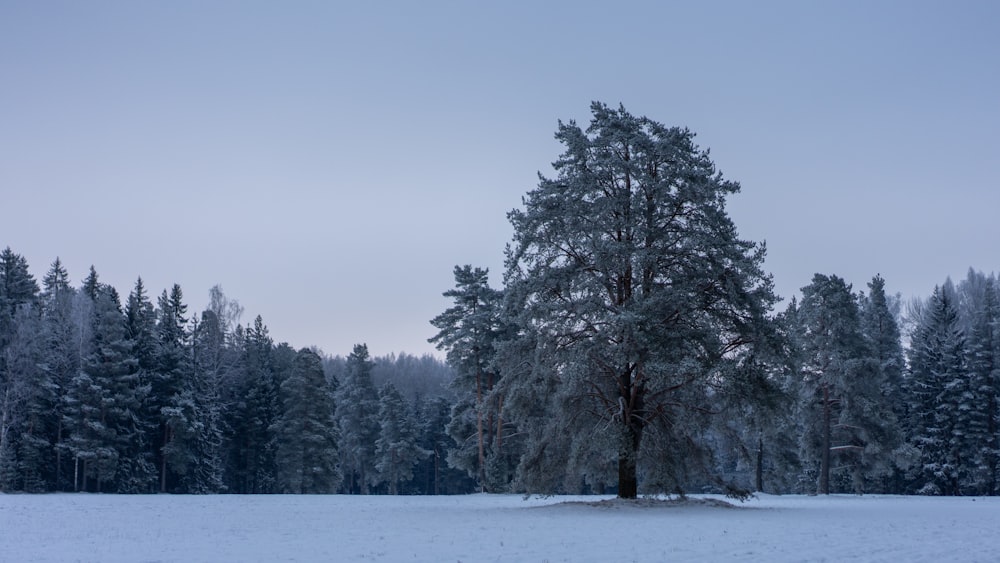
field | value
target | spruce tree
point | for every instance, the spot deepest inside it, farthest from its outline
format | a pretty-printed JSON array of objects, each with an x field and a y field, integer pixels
[
  {"x": 307, "y": 458},
  {"x": 22, "y": 394},
  {"x": 878, "y": 401},
  {"x": 27, "y": 456},
  {"x": 938, "y": 403},
  {"x": 92, "y": 284},
  {"x": 174, "y": 393},
  {"x": 396, "y": 450},
  {"x": 104, "y": 405},
  {"x": 207, "y": 368},
  {"x": 252, "y": 406},
  {"x": 18, "y": 288},
  {"x": 140, "y": 325},
  {"x": 60, "y": 361},
  {"x": 140, "y": 321},
  {"x": 882, "y": 335},
  {"x": 980, "y": 313},
  {"x": 357, "y": 410}
]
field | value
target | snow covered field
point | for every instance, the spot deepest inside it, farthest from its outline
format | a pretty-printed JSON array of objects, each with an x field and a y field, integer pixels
[{"x": 85, "y": 527}]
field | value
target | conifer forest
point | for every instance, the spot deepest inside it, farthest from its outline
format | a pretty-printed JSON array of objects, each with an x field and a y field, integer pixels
[{"x": 636, "y": 346}]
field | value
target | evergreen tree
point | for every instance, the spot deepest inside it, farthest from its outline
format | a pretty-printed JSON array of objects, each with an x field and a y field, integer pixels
[
  {"x": 552, "y": 459},
  {"x": 218, "y": 340},
  {"x": 307, "y": 456},
  {"x": 27, "y": 455},
  {"x": 140, "y": 325},
  {"x": 757, "y": 442},
  {"x": 92, "y": 285},
  {"x": 780, "y": 431},
  {"x": 832, "y": 352},
  {"x": 980, "y": 313},
  {"x": 18, "y": 288},
  {"x": 282, "y": 365},
  {"x": 396, "y": 450},
  {"x": 357, "y": 409},
  {"x": 433, "y": 474},
  {"x": 21, "y": 392},
  {"x": 628, "y": 270},
  {"x": 884, "y": 406},
  {"x": 60, "y": 362},
  {"x": 105, "y": 399},
  {"x": 469, "y": 332},
  {"x": 140, "y": 321},
  {"x": 208, "y": 365},
  {"x": 252, "y": 407},
  {"x": 174, "y": 393},
  {"x": 940, "y": 397},
  {"x": 849, "y": 418},
  {"x": 882, "y": 335}
]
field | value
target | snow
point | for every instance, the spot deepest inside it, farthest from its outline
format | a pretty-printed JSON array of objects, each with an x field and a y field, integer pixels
[{"x": 88, "y": 527}]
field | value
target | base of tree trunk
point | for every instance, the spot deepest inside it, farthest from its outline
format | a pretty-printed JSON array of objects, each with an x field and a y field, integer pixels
[{"x": 628, "y": 481}]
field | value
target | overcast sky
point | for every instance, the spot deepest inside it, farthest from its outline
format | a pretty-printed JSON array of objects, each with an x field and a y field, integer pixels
[{"x": 330, "y": 163}]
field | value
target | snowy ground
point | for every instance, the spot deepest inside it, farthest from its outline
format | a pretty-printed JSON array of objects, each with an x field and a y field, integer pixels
[{"x": 84, "y": 527}]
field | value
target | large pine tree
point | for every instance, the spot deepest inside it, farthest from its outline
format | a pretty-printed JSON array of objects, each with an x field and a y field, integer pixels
[{"x": 626, "y": 269}]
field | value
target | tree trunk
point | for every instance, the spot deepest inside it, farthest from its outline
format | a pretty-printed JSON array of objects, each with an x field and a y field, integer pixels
[
  {"x": 499, "y": 424},
  {"x": 760, "y": 465},
  {"x": 59, "y": 463},
  {"x": 991, "y": 428},
  {"x": 437, "y": 471},
  {"x": 163, "y": 459},
  {"x": 479, "y": 430},
  {"x": 824, "y": 464},
  {"x": 858, "y": 478},
  {"x": 631, "y": 405},
  {"x": 628, "y": 453},
  {"x": 393, "y": 481}
]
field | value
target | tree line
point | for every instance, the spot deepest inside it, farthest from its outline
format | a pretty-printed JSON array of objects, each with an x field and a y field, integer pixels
[
  {"x": 635, "y": 347},
  {"x": 101, "y": 395}
]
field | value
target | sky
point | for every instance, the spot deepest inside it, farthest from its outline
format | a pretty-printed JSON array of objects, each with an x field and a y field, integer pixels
[{"x": 329, "y": 163}]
